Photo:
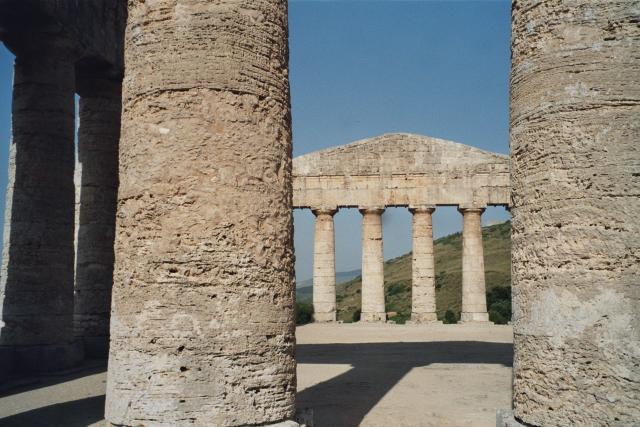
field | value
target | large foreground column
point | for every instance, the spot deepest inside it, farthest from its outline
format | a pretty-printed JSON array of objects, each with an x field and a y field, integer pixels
[
  {"x": 474, "y": 295},
  {"x": 373, "y": 308},
  {"x": 423, "y": 277},
  {"x": 202, "y": 326},
  {"x": 324, "y": 267},
  {"x": 37, "y": 261},
  {"x": 575, "y": 159},
  {"x": 98, "y": 137}
]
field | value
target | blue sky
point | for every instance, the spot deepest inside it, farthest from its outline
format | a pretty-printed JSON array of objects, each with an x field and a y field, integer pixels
[{"x": 362, "y": 68}]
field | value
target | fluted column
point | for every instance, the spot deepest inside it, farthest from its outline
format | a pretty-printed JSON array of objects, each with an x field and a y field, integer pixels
[
  {"x": 474, "y": 296},
  {"x": 202, "y": 326},
  {"x": 423, "y": 288},
  {"x": 38, "y": 255},
  {"x": 373, "y": 306},
  {"x": 324, "y": 267},
  {"x": 98, "y": 137}
]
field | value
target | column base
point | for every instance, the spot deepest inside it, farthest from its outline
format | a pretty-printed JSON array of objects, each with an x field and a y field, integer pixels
[
  {"x": 373, "y": 317},
  {"x": 505, "y": 418},
  {"x": 424, "y": 318},
  {"x": 40, "y": 359},
  {"x": 324, "y": 317},
  {"x": 477, "y": 318}
]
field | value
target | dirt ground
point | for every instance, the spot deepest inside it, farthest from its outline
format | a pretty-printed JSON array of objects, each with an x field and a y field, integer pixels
[{"x": 348, "y": 375}]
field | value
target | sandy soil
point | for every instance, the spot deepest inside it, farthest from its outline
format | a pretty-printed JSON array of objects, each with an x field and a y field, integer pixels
[{"x": 348, "y": 375}]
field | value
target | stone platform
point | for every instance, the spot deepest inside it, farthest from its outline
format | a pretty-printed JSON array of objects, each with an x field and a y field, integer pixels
[{"x": 348, "y": 375}]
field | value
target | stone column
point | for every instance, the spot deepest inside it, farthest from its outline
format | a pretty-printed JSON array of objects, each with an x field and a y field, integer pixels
[
  {"x": 373, "y": 307},
  {"x": 324, "y": 267},
  {"x": 575, "y": 163},
  {"x": 36, "y": 287},
  {"x": 423, "y": 287},
  {"x": 202, "y": 326},
  {"x": 474, "y": 294},
  {"x": 98, "y": 137}
]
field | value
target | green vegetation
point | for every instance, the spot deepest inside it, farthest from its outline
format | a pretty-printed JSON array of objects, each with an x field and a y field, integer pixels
[
  {"x": 499, "y": 304},
  {"x": 304, "y": 313},
  {"x": 449, "y": 317},
  {"x": 448, "y": 255}
]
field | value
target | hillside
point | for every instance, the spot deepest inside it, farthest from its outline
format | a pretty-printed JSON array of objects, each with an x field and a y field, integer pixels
[
  {"x": 397, "y": 272},
  {"x": 304, "y": 290}
]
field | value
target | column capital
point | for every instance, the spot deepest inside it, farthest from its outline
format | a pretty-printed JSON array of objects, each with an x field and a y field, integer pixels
[
  {"x": 469, "y": 208},
  {"x": 324, "y": 211},
  {"x": 371, "y": 209},
  {"x": 422, "y": 208}
]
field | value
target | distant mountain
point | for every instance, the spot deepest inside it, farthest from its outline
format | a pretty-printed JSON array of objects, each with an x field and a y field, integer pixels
[{"x": 304, "y": 289}]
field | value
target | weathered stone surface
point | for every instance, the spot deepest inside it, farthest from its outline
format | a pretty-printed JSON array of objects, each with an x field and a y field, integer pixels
[
  {"x": 202, "y": 327},
  {"x": 406, "y": 170},
  {"x": 505, "y": 418},
  {"x": 400, "y": 170},
  {"x": 98, "y": 137},
  {"x": 324, "y": 267},
  {"x": 423, "y": 278},
  {"x": 36, "y": 288},
  {"x": 474, "y": 293},
  {"x": 93, "y": 29},
  {"x": 575, "y": 127},
  {"x": 373, "y": 307}
]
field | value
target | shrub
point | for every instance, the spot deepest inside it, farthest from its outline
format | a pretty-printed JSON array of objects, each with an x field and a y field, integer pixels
[
  {"x": 450, "y": 317},
  {"x": 497, "y": 317},
  {"x": 498, "y": 293},
  {"x": 499, "y": 304},
  {"x": 304, "y": 313},
  {"x": 401, "y": 318},
  {"x": 500, "y": 312},
  {"x": 356, "y": 315},
  {"x": 396, "y": 288}
]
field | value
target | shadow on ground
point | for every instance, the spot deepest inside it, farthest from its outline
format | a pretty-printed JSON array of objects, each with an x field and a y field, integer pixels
[
  {"x": 77, "y": 413},
  {"x": 376, "y": 368},
  {"x": 21, "y": 385}
]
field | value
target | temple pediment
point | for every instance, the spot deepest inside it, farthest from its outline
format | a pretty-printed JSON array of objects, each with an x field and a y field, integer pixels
[{"x": 395, "y": 153}]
